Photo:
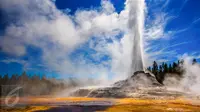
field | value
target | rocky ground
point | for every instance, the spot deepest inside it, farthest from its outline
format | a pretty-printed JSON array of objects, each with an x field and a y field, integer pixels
[
  {"x": 139, "y": 93},
  {"x": 139, "y": 85}
]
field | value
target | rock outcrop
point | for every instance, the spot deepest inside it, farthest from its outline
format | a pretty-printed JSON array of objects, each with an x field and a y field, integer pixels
[
  {"x": 138, "y": 79},
  {"x": 122, "y": 88}
]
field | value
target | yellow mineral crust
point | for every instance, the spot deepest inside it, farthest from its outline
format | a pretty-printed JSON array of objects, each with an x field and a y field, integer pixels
[{"x": 120, "y": 105}]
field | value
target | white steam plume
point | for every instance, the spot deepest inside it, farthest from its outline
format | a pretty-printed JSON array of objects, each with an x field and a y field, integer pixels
[
  {"x": 136, "y": 24},
  {"x": 39, "y": 24},
  {"x": 191, "y": 79}
]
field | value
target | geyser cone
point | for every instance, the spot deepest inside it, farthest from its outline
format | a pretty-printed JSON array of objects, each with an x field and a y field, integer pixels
[{"x": 136, "y": 22}]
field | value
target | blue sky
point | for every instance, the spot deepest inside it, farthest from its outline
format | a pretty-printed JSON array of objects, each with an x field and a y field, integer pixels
[
  {"x": 184, "y": 22},
  {"x": 171, "y": 30},
  {"x": 73, "y": 5}
]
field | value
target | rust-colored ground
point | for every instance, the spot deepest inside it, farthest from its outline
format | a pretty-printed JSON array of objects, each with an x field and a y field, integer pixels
[
  {"x": 138, "y": 105},
  {"x": 48, "y": 104}
]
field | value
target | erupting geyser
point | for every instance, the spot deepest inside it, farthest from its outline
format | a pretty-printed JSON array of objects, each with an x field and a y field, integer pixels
[{"x": 136, "y": 23}]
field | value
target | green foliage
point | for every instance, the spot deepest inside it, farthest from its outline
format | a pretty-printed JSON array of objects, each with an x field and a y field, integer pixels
[
  {"x": 170, "y": 68},
  {"x": 149, "y": 68},
  {"x": 174, "y": 67},
  {"x": 160, "y": 70},
  {"x": 166, "y": 70},
  {"x": 194, "y": 61},
  {"x": 34, "y": 85},
  {"x": 155, "y": 67}
]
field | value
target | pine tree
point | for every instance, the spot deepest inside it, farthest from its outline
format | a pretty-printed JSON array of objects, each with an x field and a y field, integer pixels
[
  {"x": 174, "y": 67},
  {"x": 181, "y": 62},
  {"x": 1, "y": 79},
  {"x": 170, "y": 68},
  {"x": 23, "y": 78},
  {"x": 149, "y": 68},
  {"x": 163, "y": 67},
  {"x": 155, "y": 68},
  {"x": 166, "y": 68},
  {"x": 13, "y": 79},
  {"x": 194, "y": 61},
  {"x": 160, "y": 76},
  {"x": 160, "y": 69},
  {"x": 5, "y": 79}
]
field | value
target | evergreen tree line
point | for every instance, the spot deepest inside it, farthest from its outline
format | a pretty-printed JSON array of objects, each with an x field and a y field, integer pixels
[
  {"x": 161, "y": 70},
  {"x": 35, "y": 85}
]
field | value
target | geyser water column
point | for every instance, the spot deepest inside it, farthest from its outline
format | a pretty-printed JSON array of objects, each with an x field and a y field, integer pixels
[{"x": 135, "y": 23}]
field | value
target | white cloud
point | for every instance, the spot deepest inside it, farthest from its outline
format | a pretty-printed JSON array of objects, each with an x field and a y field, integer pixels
[
  {"x": 155, "y": 29},
  {"x": 156, "y": 22},
  {"x": 8, "y": 61},
  {"x": 107, "y": 6},
  {"x": 40, "y": 24},
  {"x": 57, "y": 34},
  {"x": 183, "y": 5}
]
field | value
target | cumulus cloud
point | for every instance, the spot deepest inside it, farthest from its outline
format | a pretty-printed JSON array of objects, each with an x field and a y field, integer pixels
[{"x": 57, "y": 34}]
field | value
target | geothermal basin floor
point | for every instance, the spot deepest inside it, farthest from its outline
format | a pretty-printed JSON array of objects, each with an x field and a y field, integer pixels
[{"x": 84, "y": 104}]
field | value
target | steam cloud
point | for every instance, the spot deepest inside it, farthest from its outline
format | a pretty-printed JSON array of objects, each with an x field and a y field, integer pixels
[
  {"x": 39, "y": 24},
  {"x": 191, "y": 80},
  {"x": 136, "y": 23}
]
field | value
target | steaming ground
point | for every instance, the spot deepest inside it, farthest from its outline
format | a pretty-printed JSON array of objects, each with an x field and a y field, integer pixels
[
  {"x": 139, "y": 85},
  {"x": 140, "y": 92}
]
